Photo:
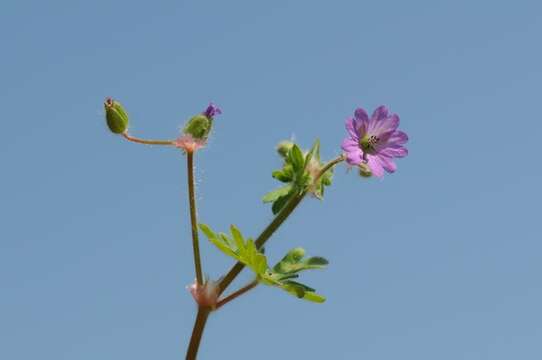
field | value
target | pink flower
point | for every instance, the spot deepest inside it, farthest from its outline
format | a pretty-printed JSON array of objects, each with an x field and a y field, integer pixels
[
  {"x": 187, "y": 143},
  {"x": 374, "y": 142}
]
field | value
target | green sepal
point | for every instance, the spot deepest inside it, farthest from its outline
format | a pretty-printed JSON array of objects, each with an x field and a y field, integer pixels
[
  {"x": 199, "y": 127},
  {"x": 313, "y": 152}
]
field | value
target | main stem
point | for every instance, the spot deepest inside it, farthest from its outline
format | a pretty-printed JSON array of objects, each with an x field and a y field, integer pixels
[
  {"x": 199, "y": 325},
  {"x": 193, "y": 216}
]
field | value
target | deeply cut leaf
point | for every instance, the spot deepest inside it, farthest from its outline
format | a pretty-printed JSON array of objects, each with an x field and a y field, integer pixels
[{"x": 283, "y": 272}]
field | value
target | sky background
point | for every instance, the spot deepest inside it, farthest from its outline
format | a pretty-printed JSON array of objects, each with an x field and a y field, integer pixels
[{"x": 441, "y": 260}]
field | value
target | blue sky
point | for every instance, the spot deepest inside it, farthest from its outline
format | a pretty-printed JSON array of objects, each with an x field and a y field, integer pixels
[{"x": 440, "y": 260}]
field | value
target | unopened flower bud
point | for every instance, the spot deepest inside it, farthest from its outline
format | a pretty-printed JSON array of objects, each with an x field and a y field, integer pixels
[
  {"x": 364, "y": 170},
  {"x": 283, "y": 147},
  {"x": 116, "y": 116},
  {"x": 199, "y": 126}
]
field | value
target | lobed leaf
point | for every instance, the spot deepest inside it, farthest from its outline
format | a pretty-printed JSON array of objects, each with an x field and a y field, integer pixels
[
  {"x": 277, "y": 193},
  {"x": 283, "y": 272},
  {"x": 294, "y": 262}
]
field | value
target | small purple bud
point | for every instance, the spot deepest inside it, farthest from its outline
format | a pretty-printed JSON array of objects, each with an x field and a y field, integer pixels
[{"x": 212, "y": 110}]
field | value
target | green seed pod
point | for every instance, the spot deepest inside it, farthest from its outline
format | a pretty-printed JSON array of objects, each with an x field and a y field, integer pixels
[
  {"x": 364, "y": 170},
  {"x": 199, "y": 126},
  {"x": 116, "y": 116},
  {"x": 283, "y": 147}
]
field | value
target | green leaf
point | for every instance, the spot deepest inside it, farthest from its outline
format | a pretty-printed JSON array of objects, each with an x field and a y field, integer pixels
[
  {"x": 277, "y": 193},
  {"x": 237, "y": 237},
  {"x": 295, "y": 155},
  {"x": 222, "y": 246},
  {"x": 294, "y": 262},
  {"x": 207, "y": 230},
  {"x": 280, "y": 202},
  {"x": 237, "y": 248},
  {"x": 317, "y": 261},
  {"x": 282, "y": 175},
  {"x": 281, "y": 276},
  {"x": 314, "y": 297},
  {"x": 289, "y": 267},
  {"x": 302, "y": 291},
  {"x": 228, "y": 241}
]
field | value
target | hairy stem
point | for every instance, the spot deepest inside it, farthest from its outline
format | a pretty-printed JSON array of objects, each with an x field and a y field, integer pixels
[
  {"x": 237, "y": 293},
  {"x": 147, "y": 142},
  {"x": 197, "y": 332},
  {"x": 193, "y": 216}
]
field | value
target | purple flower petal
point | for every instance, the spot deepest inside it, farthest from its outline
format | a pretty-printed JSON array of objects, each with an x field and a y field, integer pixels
[
  {"x": 398, "y": 138},
  {"x": 354, "y": 157},
  {"x": 362, "y": 121},
  {"x": 380, "y": 113},
  {"x": 351, "y": 128},
  {"x": 361, "y": 114},
  {"x": 375, "y": 166},
  {"x": 394, "y": 151},
  {"x": 387, "y": 163},
  {"x": 385, "y": 127},
  {"x": 349, "y": 145}
]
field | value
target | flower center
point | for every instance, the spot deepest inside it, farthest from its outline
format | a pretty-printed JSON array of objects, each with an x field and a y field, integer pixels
[{"x": 368, "y": 144}]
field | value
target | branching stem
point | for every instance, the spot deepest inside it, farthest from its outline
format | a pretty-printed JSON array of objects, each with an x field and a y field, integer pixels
[
  {"x": 236, "y": 294},
  {"x": 203, "y": 313},
  {"x": 147, "y": 142}
]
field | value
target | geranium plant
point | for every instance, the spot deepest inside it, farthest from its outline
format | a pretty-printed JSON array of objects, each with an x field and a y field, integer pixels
[{"x": 371, "y": 145}]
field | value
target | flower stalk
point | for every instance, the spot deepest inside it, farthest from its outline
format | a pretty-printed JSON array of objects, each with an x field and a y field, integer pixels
[
  {"x": 193, "y": 216},
  {"x": 147, "y": 142}
]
